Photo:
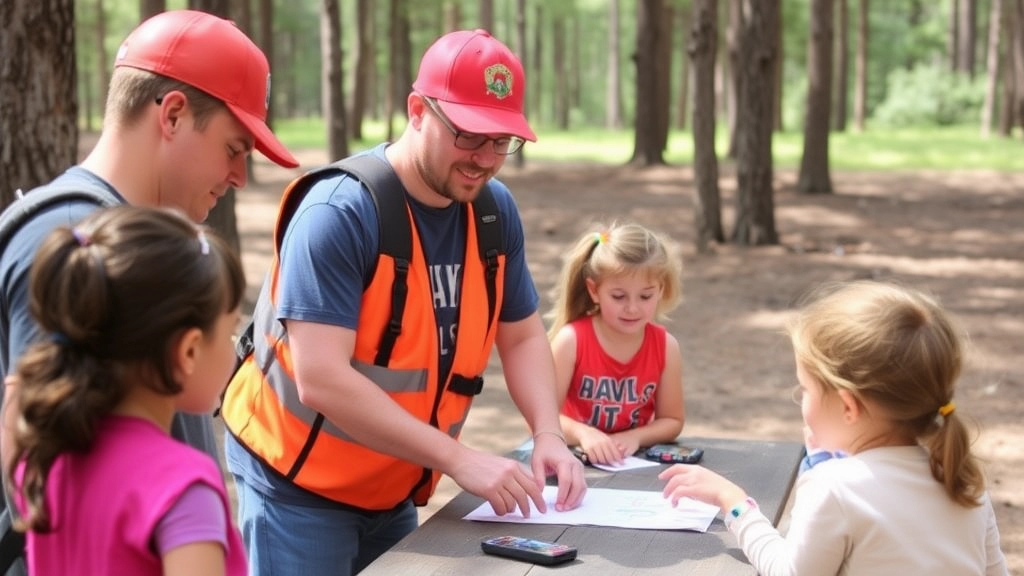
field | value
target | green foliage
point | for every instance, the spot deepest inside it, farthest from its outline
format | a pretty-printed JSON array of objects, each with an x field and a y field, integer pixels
[
  {"x": 930, "y": 95},
  {"x": 948, "y": 148}
]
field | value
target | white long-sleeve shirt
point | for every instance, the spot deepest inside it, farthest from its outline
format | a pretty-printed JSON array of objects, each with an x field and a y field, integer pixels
[{"x": 876, "y": 513}]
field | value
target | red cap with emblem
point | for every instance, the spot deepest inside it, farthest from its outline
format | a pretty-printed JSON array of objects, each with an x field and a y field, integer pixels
[
  {"x": 213, "y": 55},
  {"x": 478, "y": 83}
]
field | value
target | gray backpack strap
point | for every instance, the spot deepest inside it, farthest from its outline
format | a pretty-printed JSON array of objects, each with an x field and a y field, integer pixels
[{"x": 27, "y": 205}]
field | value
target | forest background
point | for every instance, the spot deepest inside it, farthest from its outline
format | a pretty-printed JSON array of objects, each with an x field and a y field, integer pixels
[{"x": 843, "y": 139}]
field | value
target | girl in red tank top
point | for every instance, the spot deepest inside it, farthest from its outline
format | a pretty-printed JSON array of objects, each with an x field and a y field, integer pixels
[{"x": 619, "y": 372}]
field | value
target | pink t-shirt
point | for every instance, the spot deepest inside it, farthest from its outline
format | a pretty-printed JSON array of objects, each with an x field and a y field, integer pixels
[
  {"x": 610, "y": 395},
  {"x": 105, "y": 504}
]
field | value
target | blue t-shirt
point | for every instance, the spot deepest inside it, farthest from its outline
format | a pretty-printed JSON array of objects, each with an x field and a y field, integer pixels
[
  {"x": 18, "y": 329},
  {"x": 322, "y": 277}
]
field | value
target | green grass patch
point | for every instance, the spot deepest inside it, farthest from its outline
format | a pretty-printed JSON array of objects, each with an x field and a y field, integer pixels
[{"x": 950, "y": 148}]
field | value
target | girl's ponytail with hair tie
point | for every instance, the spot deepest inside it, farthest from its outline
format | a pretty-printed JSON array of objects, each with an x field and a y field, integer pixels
[{"x": 81, "y": 236}]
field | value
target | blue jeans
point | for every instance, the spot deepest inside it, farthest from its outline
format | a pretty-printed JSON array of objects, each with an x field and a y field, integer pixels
[{"x": 283, "y": 539}]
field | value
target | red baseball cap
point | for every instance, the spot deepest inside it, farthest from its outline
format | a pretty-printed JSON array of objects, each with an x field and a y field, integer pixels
[
  {"x": 478, "y": 83},
  {"x": 213, "y": 55}
]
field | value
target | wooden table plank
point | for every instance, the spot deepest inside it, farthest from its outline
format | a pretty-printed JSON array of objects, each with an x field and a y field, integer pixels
[{"x": 447, "y": 545}]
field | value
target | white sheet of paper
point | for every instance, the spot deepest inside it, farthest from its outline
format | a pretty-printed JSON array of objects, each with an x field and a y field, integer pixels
[
  {"x": 639, "y": 509},
  {"x": 630, "y": 463}
]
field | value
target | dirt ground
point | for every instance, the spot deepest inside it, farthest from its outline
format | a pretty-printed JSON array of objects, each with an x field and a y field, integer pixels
[{"x": 957, "y": 234}]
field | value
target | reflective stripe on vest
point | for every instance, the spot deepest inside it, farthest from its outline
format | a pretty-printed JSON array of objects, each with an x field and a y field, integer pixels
[{"x": 262, "y": 409}]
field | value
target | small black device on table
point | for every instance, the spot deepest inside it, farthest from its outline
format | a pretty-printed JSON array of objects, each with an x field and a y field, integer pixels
[
  {"x": 674, "y": 454},
  {"x": 535, "y": 551}
]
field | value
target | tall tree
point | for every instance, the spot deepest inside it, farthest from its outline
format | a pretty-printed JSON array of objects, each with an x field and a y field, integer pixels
[
  {"x": 38, "y": 100},
  {"x": 265, "y": 40},
  {"x": 487, "y": 15},
  {"x": 779, "y": 62},
  {"x": 560, "y": 96},
  {"x": 332, "y": 84},
  {"x": 221, "y": 8},
  {"x": 663, "y": 75},
  {"x": 399, "y": 74},
  {"x": 703, "y": 48},
  {"x": 967, "y": 32},
  {"x": 103, "y": 63},
  {"x": 149, "y": 8},
  {"x": 647, "y": 150},
  {"x": 613, "y": 79},
  {"x": 521, "y": 44},
  {"x": 241, "y": 13},
  {"x": 814, "y": 172},
  {"x": 1008, "y": 99},
  {"x": 683, "y": 98},
  {"x": 537, "y": 70},
  {"x": 991, "y": 66},
  {"x": 860, "y": 90},
  {"x": 953, "y": 34},
  {"x": 1018, "y": 60},
  {"x": 733, "y": 80},
  {"x": 364, "y": 58},
  {"x": 452, "y": 17},
  {"x": 842, "y": 65},
  {"x": 755, "y": 202}
]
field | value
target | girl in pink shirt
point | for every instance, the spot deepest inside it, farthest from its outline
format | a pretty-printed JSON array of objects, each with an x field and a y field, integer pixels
[
  {"x": 140, "y": 305},
  {"x": 619, "y": 373}
]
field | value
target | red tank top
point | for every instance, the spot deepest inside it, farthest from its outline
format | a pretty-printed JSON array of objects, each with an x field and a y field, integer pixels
[{"x": 610, "y": 395}]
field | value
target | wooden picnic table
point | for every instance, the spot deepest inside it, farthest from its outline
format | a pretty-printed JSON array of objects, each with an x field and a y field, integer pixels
[{"x": 447, "y": 544}]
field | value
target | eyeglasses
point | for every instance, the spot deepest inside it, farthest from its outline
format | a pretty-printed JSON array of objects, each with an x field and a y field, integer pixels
[{"x": 469, "y": 141}]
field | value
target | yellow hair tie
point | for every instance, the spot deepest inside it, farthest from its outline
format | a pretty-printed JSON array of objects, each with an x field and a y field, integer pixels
[
  {"x": 600, "y": 237},
  {"x": 947, "y": 409}
]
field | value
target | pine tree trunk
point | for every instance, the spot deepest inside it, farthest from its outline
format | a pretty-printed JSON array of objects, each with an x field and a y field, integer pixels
[
  {"x": 814, "y": 173},
  {"x": 842, "y": 65},
  {"x": 332, "y": 79},
  {"x": 647, "y": 149},
  {"x": 703, "y": 48},
  {"x": 362, "y": 78},
  {"x": 991, "y": 67},
  {"x": 149, "y": 8},
  {"x": 520, "y": 158},
  {"x": 613, "y": 81},
  {"x": 860, "y": 91},
  {"x": 755, "y": 204},
  {"x": 38, "y": 100}
]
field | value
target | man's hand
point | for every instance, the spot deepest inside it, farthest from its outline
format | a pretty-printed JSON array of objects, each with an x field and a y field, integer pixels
[
  {"x": 551, "y": 455},
  {"x": 503, "y": 482}
]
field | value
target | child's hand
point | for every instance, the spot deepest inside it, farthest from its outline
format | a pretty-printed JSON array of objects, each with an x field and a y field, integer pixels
[
  {"x": 699, "y": 483},
  {"x": 626, "y": 444},
  {"x": 600, "y": 448}
]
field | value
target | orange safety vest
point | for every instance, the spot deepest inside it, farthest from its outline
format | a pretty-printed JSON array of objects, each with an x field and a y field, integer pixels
[{"x": 396, "y": 348}]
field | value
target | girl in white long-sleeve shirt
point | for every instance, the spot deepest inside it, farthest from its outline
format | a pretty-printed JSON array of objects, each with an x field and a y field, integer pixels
[{"x": 877, "y": 366}]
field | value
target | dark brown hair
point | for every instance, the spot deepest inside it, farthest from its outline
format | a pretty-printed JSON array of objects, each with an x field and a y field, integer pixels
[{"x": 110, "y": 296}]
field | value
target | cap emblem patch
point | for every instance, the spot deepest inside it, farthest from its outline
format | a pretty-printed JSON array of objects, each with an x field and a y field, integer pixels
[{"x": 499, "y": 80}]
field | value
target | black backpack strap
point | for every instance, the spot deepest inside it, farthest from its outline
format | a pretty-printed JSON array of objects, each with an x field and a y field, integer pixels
[
  {"x": 26, "y": 205},
  {"x": 395, "y": 232},
  {"x": 490, "y": 243},
  {"x": 388, "y": 196}
]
